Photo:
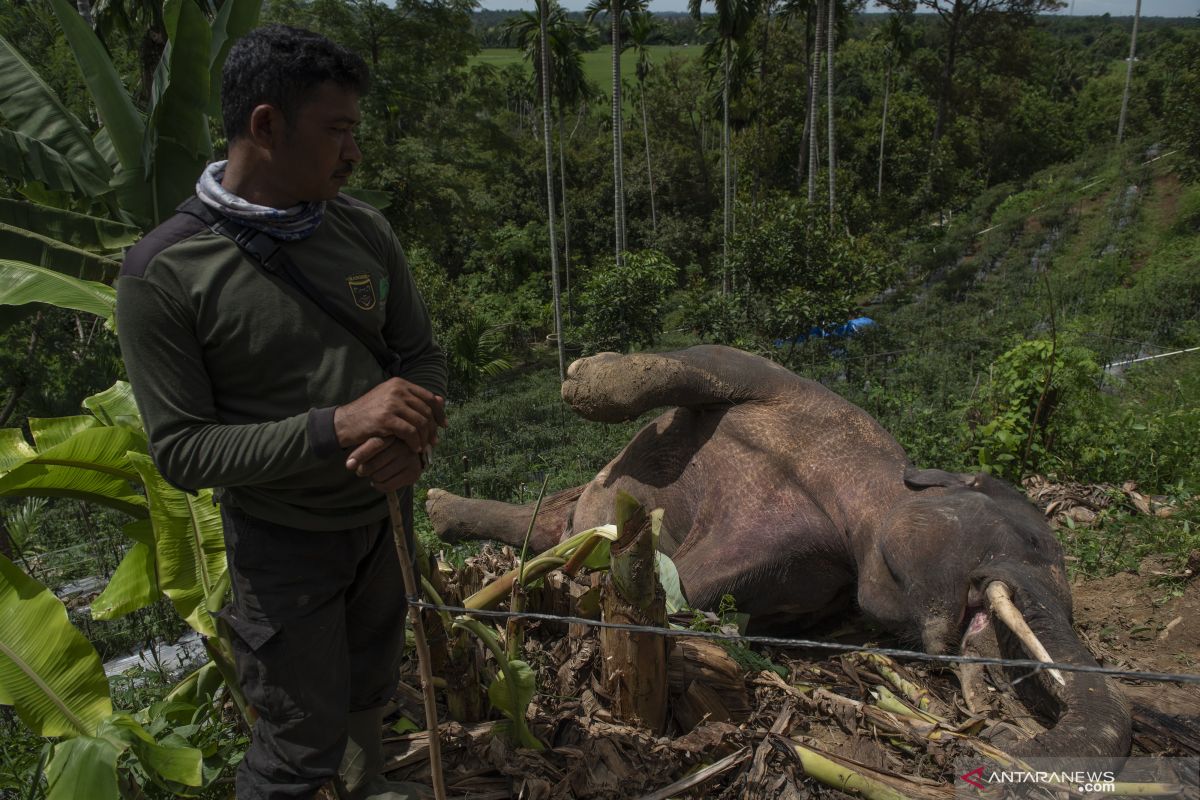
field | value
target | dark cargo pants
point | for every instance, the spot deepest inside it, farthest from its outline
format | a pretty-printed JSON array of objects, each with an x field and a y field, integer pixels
[{"x": 318, "y": 631}]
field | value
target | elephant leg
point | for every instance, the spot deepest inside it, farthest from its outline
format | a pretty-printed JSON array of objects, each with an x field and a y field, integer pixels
[
  {"x": 611, "y": 387},
  {"x": 456, "y": 518}
]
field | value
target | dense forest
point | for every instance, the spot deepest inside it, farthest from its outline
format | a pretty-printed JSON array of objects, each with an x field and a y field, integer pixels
[{"x": 1005, "y": 191}]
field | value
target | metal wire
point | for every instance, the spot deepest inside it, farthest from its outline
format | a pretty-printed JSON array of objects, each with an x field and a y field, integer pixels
[{"x": 773, "y": 641}]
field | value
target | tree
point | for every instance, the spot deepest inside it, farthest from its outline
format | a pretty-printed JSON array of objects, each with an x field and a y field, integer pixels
[
  {"x": 641, "y": 31},
  {"x": 1137, "y": 14},
  {"x": 730, "y": 24},
  {"x": 898, "y": 34},
  {"x": 617, "y": 11},
  {"x": 962, "y": 19}
]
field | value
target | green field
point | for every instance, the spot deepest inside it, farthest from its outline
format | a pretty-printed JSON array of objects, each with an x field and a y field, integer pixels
[{"x": 597, "y": 64}]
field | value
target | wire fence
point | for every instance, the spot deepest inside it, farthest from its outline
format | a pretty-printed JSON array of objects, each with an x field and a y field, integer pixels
[{"x": 1033, "y": 666}]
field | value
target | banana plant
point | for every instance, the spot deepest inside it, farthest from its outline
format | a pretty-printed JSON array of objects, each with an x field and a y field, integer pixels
[
  {"x": 87, "y": 196},
  {"x": 49, "y": 673}
]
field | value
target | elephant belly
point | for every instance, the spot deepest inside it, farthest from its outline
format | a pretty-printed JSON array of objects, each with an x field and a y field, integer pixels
[{"x": 736, "y": 518}]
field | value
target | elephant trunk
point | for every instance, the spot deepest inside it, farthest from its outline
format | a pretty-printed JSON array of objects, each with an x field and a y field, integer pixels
[{"x": 1093, "y": 719}]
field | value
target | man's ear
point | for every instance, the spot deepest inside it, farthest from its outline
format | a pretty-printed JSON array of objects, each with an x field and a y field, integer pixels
[{"x": 266, "y": 126}]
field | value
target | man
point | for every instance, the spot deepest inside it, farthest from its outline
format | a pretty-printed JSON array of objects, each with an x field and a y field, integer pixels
[{"x": 247, "y": 384}]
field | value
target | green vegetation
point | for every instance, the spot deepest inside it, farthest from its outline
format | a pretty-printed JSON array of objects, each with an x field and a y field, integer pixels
[{"x": 1009, "y": 252}]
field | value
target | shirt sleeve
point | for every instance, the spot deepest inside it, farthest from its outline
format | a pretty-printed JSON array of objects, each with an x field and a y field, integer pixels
[
  {"x": 188, "y": 443},
  {"x": 408, "y": 330}
]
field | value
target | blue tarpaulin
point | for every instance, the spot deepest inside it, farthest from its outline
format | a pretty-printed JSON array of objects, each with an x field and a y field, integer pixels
[{"x": 836, "y": 332}]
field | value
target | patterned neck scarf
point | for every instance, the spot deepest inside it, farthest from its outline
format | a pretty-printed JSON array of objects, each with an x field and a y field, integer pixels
[{"x": 288, "y": 224}]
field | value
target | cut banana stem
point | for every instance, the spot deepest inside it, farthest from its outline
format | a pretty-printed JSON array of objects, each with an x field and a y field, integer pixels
[{"x": 1000, "y": 601}]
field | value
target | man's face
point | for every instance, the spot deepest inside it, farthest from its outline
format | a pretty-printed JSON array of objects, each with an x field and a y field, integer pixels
[{"x": 318, "y": 152}]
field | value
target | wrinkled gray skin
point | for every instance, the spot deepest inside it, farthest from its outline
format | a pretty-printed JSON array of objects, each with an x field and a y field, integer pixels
[{"x": 798, "y": 503}]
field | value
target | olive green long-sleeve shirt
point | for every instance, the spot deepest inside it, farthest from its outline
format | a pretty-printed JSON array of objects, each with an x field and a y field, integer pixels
[{"x": 237, "y": 374}]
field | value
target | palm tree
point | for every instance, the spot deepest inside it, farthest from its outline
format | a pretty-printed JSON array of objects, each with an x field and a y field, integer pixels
[
  {"x": 641, "y": 31},
  {"x": 830, "y": 38},
  {"x": 617, "y": 10},
  {"x": 731, "y": 22},
  {"x": 568, "y": 83},
  {"x": 814, "y": 75}
]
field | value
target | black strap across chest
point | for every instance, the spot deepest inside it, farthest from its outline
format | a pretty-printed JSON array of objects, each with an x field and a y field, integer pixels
[{"x": 265, "y": 251}]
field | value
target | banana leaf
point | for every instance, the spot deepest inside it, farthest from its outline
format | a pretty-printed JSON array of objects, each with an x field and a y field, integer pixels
[
  {"x": 180, "y": 765},
  {"x": 14, "y": 449},
  {"x": 30, "y": 107},
  {"x": 125, "y": 126},
  {"x": 189, "y": 544},
  {"x": 102, "y": 449},
  {"x": 177, "y": 144},
  {"x": 94, "y": 234},
  {"x": 134, "y": 584},
  {"x": 83, "y": 767},
  {"x": 49, "y": 672},
  {"x": 31, "y": 247},
  {"x": 51, "y": 480},
  {"x": 234, "y": 20},
  {"x": 51, "y": 431},
  {"x": 28, "y": 160},
  {"x": 22, "y": 283},
  {"x": 115, "y": 405}
]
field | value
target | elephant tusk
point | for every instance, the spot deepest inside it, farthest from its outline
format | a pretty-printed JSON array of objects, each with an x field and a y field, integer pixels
[{"x": 1001, "y": 603}]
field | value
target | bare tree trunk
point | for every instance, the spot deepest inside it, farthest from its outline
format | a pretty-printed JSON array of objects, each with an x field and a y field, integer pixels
[
  {"x": 947, "y": 88},
  {"x": 649, "y": 172},
  {"x": 562, "y": 174},
  {"x": 1137, "y": 13},
  {"x": 814, "y": 81},
  {"x": 725, "y": 152},
  {"x": 830, "y": 22},
  {"x": 558, "y": 327},
  {"x": 614, "y": 14},
  {"x": 887, "y": 85}
]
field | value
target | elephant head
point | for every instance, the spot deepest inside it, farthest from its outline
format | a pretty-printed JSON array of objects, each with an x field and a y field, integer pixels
[{"x": 965, "y": 561}]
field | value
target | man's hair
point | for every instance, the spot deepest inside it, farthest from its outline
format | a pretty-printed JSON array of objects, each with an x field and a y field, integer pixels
[{"x": 280, "y": 65}]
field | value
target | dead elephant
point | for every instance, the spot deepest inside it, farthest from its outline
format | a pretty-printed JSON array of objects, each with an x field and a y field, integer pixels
[{"x": 799, "y": 504}]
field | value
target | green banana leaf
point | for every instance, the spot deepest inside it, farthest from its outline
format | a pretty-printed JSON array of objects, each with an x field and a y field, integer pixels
[
  {"x": 28, "y": 160},
  {"x": 83, "y": 767},
  {"x": 233, "y": 21},
  {"x": 31, "y": 247},
  {"x": 22, "y": 283},
  {"x": 30, "y": 107},
  {"x": 51, "y": 431},
  {"x": 14, "y": 450},
  {"x": 94, "y": 234},
  {"x": 125, "y": 126},
  {"x": 198, "y": 688},
  {"x": 49, "y": 672},
  {"x": 50, "y": 480},
  {"x": 134, "y": 584},
  {"x": 177, "y": 144},
  {"x": 189, "y": 544},
  {"x": 115, "y": 406},
  {"x": 175, "y": 764},
  {"x": 101, "y": 449}
]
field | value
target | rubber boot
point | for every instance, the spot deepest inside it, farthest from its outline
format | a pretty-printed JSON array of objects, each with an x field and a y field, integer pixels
[{"x": 359, "y": 776}]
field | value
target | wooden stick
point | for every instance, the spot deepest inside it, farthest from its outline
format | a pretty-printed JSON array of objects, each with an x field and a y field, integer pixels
[
  {"x": 699, "y": 777},
  {"x": 412, "y": 589}
]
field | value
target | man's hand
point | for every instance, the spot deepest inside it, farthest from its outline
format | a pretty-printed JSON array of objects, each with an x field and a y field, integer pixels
[
  {"x": 389, "y": 463},
  {"x": 394, "y": 408}
]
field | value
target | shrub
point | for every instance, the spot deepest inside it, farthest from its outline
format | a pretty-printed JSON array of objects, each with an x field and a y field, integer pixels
[{"x": 624, "y": 305}]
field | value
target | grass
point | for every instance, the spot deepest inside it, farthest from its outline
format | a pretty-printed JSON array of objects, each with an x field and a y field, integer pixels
[{"x": 597, "y": 64}]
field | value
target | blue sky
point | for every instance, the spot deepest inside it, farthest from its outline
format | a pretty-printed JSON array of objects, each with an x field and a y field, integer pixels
[{"x": 1118, "y": 8}]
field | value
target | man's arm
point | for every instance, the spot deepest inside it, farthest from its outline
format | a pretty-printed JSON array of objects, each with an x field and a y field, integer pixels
[{"x": 190, "y": 446}]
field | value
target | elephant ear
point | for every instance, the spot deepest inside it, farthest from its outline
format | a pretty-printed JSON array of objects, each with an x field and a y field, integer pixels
[{"x": 926, "y": 478}]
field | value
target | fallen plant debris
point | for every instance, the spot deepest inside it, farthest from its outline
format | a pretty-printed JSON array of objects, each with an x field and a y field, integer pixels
[
  {"x": 1080, "y": 503},
  {"x": 806, "y": 725}
]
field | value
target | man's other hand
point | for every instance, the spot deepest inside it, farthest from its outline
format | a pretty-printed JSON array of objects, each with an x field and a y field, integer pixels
[
  {"x": 394, "y": 408},
  {"x": 389, "y": 463}
]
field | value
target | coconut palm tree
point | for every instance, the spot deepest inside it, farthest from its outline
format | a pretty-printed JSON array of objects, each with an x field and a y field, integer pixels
[
  {"x": 830, "y": 38},
  {"x": 617, "y": 11},
  {"x": 730, "y": 24},
  {"x": 1137, "y": 13},
  {"x": 641, "y": 31}
]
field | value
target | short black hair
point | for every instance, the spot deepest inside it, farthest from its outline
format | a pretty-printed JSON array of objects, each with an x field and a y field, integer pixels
[{"x": 280, "y": 65}]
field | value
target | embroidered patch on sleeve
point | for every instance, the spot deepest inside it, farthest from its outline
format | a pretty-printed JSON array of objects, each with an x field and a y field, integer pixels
[{"x": 362, "y": 289}]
